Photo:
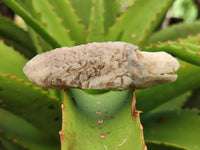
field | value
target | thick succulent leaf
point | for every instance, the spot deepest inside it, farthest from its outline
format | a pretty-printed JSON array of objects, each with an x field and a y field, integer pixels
[
  {"x": 32, "y": 22},
  {"x": 100, "y": 122},
  {"x": 10, "y": 144},
  {"x": 155, "y": 145},
  {"x": 188, "y": 79},
  {"x": 32, "y": 104},
  {"x": 52, "y": 22},
  {"x": 139, "y": 21},
  {"x": 27, "y": 5},
  {"x": 17, "y": 134},
  {"x": 17, "y": 37},
  {"x": 111, "y": 11},
  {"x": 96, "y": 28},
  {"x": 194, "y": 100},
  {"x": 83, "y": 10},
  {"x": 192, "y": 40},
  {"x": 186, "y": 51},
  {"x": 178, "y": 127},
  {"x": 181, "y": 30},
  {"x": 70, "y": 20},
  {"x": 173, "y": 104},
  {"x": 11, "y": 62},
  {"x": 40, "y": 44}
]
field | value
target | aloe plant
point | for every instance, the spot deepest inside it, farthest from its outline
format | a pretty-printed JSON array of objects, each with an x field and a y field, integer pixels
[{"x": 31, "y": 117}]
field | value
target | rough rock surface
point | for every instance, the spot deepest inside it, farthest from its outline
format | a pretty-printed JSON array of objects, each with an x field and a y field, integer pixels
[{"x": 106, "y": 66}]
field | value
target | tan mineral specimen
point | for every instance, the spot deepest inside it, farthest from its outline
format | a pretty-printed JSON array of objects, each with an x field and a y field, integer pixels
[{"x": 103, "y": 66}]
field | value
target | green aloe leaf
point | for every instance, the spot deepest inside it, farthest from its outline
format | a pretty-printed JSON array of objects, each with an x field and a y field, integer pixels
[
  {"x": 178, "y": 127},
  {"x": 155, "y": 145},
  {"x": 96, "y": 28},
  {"x": 194, "y": 100},
  {"x": 17, "y": 37},
  {"x": 111, "y": 11},
  {"x": 99, "y": 121},
  {"x": 139, "y": 21},
  {"x": 188, "y": 79},
  {"x": 194, "y": 40},
  {"x": 53, "y": 23},
  {"x": 70, "y": 20},
  {"x": 17, "y": 134},
  {"x": 32, "y": 22},
  {"x": 181, "y": 30},
  {"x": 11, "y": 62},
  {"x": 8, "y": 143},
  {"x": 83, "y": 10},
  {"x": 32, "y": 104},
  {"x": 174, "y": 103},
  {"x": 40, "y": 44}
]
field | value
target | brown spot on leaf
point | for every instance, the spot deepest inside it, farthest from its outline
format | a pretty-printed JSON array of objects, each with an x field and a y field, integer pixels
[
  {"x": 51, "y": 107},
  {"x": 73, "y": 99},
  {"x": 112, "y": 117},
  {"x": 98, "y": 112},
  {"x": 133, "y": 36},
  {"x": 98, "y": 103},
  {"x": 169, "y": 42},
  {"x": 62, "y": 138},
  {"x": 4, "y": 105},
  {"x": 64, "y": 121},
  {"x": 158, "y": 42},
  {"x": 57, "y": 118},
  {"x": 185, "y": 47},
  {"x": 159, "y": 120},
  {"x": 198, "y": 53},
  {"x": 62, "y": 107},
  {"x": 1, "y": 89},
  {"x": 15, "y": 141},
  {"x": 102, "y": 136},
  {"x": 178, "y": 40},
  {"x": 100, "y": 121}
]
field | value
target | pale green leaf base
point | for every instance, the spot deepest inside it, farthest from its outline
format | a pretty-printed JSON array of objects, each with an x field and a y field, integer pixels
[{"x": 98, "y": 122}]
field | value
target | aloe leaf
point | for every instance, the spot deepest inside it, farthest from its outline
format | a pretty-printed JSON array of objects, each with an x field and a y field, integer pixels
[
  {"x": 193, "y": 40},
  {"x": 70, "y": 20},
  {"x": 52, "y": 22},
  {"x": 96, "y": 28},
  {"x": 173, "y": 104},
  {"x": 27, "y": 5},
  {"x": 17, "y": 36},
  {"x": 186, "y": 51},
  {"x": 99, "y": 122},
  {"x": 15, "y": 129},
  {"x": 150, "y": 13},
  {"x": 155, "y": 145},
  {"x": 7, "y": 143},
  {"x": 32, "y": 22},
  {"x": 178, "y": 127},
  {"x": 32, "y": 104},
  {"x": 188, "y": 79},
  {"x": 194, "y": 100},
  {"x": 10, "y": 144},
  {"x": 40, "y": 44},
  {"x": 11, "y": 62},
  {"x": 83, "y": 10},
  {"x": 112, "y": 10},
  {"x": 181, "y": 30}
]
